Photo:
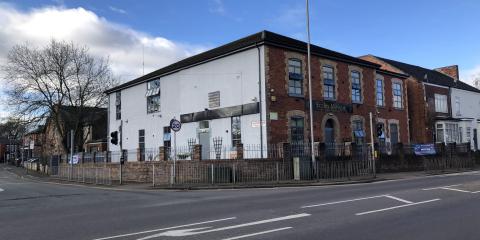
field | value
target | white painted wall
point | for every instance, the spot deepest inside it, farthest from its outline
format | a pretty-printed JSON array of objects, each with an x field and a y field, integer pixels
[
  {"x": 235, "y": 76},
  {"x": 469, "y": 107}
]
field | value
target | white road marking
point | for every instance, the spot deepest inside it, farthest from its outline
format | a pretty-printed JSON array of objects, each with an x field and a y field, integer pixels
[
  {"x": 456, "y": 190},
  {"x": 434, "y": 188},
  {"x": 401, "y": 206},
  {"x": 190, "y": 232},
  {"x": 163, "y": 229},
  {"x": 258, "y": 233},
  {"x": 1, "y": 190},
  {"x": 398, "y": 199},
  {"x": 344, "y": 201}
]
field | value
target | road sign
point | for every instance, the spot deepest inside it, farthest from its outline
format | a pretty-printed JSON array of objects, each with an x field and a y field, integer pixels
[{"x": 175, "y": 125}]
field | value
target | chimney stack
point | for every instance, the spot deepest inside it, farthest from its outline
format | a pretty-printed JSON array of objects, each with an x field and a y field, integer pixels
[{"x": 451, "y": 71}]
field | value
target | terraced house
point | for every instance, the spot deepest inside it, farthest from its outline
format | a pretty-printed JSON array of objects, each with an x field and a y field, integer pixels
[
  {"x": 254, "y": 91},
  {"x": 443, "y": 108}
]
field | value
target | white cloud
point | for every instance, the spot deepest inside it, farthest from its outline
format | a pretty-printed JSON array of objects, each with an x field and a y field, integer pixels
[
  {"x": 123, "y": 45},
  {"x": 117, "y": 10},
  {"x": 217, "y": 6}
]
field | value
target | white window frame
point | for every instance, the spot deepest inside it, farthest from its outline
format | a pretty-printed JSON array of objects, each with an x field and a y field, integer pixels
[
  {"x": 441, "y": 104},
  {"x": 397, "y": 99}
]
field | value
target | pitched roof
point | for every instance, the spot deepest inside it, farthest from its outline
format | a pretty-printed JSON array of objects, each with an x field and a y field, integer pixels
[
  {"x": 433, "y": 76},
  {"x": 257, "y": 39}
]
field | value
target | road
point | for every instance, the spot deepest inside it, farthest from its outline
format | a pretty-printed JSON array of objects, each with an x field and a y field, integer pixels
[{"x": 435, "y": 207}]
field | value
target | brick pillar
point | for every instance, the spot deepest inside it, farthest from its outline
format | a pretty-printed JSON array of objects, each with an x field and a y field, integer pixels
[
  {"x": 163, "y": 153},
  {"x": 287, "y": 151},
  {"x": 197, "y": 152},
  {"x": 239, "y": 150},
  {"x": 139, "y": 155}
]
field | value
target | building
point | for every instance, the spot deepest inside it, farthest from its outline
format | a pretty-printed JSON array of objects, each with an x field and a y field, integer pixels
[
  {"x": 33, "y": 143},
  {"x": 254, "y": 91},
  {"x": 89, "y": 124},
  {"x": 442, "y": 108}
]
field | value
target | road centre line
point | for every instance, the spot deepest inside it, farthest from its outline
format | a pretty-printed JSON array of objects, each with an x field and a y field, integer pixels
[
  {"x": 401, "y": 206},
  {"x": 358, "y": 199},
  {"x": 456, "y": 190},
  {"x": 163, "y": 229},
  {"x": 398, "y": 199},
  {"x": 344, "y": 201},
  {"x": 190, "y": 232},
  {"x": 433, "y": 188},
  {"x": 258, "y": 233}
]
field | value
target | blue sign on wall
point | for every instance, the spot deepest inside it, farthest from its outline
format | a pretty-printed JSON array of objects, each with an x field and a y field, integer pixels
[{"x": 425, "y": 149}]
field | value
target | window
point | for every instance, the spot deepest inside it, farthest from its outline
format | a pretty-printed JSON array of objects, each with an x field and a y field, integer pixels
[
  {"x": 356, "y": 87},
  {"x": 153, "y": 96},
  {"x": 328, "y": 83},
  {"x": 460, "y": 134},
  {"x": 451, "y": 130},
  {"x": 358, "y": 132},
  {"x": 393, "y": 134},
  {"x": 296, "y": 129},
  {"x": 440, "y": 133},
  {"x": 469, "y": 134},
  {"x": 153, "y": 104},
  {"x": 236, "y": 131},
  {"x": 214, "y": 99},
  {"x": 397, "y": 95},
  {"x": 167, "y": 136},
  {"x": 441, "y": 103},
  {"x": 457, "y": 106},
  {"x": 295, "y": 77},
  {"x": 379, "y": 91},
  {"x": 118, "y": 105}
]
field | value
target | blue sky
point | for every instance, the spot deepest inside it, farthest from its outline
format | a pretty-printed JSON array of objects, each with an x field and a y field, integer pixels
[{"x": 427, "y": 33}]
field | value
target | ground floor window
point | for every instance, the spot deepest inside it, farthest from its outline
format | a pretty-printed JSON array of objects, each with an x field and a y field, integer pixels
[
  {"x": 236, "y": 131},
  {"x": 394, "y": 134},
  {"x": 451, "y": 132},
  {"x": 440, "y": 133},
  {"x": 297, "y": 129}
]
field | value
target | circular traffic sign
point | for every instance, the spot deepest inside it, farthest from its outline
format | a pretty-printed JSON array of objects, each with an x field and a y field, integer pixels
[{"x": 175, "y": 125}]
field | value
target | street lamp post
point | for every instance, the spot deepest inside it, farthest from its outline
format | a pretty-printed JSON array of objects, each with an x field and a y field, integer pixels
[{"x": 310, "y": 89}]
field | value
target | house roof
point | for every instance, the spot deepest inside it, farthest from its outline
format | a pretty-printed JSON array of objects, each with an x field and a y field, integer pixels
[
  {"x": 433, "y": 77},
  {"x": 257, "y": 39}
]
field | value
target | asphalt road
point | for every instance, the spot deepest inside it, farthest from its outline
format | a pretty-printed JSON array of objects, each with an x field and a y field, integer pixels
[{"x": 438, "y": 207}]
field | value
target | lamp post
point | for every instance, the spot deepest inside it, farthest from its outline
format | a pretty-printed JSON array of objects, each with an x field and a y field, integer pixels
[{"x": 310, "y": 89}]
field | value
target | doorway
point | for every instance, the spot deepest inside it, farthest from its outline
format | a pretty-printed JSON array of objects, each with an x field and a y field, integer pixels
[{"x": 204, "y": 138}]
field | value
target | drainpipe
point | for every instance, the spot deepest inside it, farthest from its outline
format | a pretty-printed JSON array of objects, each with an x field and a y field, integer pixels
[{"x": 260, "y": 99}]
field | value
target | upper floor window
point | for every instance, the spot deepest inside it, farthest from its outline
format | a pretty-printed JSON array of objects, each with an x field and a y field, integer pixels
[
  {"x": 295, "y": 77},
  {"x": 153, "y": 96},
  {"x": 356, "y": 87},
  {"x": 328, "y": 83},
  {"x": 397, "y": 95},
  {"x": 379, "y": 93},
  {"x": 118, "y": 105},
  {"x": 441, "y": 103}
]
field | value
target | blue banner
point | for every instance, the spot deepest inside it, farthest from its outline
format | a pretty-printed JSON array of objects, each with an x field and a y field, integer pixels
[{"x": 425, "y": 149}]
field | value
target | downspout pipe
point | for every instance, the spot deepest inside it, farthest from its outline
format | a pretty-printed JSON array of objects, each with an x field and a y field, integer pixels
[{"x": 260, "y": 98}]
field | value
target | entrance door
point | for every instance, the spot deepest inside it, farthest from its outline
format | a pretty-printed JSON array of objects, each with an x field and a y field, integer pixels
[
  {"x": 204, "y": 138},
  {"x": 475, "y": 139},
  {"x": 329, "y": 137}
]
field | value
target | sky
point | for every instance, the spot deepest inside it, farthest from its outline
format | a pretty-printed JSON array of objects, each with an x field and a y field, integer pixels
[{"x": 428, "y": 33}]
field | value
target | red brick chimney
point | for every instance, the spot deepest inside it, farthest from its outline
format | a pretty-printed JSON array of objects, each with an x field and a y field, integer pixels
[{"x": 451, "y": 71}]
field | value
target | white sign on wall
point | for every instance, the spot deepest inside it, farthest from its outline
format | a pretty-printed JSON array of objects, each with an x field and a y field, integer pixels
[{"x": 256, "y": 124}]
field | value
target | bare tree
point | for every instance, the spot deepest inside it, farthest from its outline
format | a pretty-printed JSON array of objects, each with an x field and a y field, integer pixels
[{"x": 41, "y": 80}]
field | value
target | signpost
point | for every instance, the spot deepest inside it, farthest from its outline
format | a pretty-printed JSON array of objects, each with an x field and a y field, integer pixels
[{"x": 175, "y": 125}]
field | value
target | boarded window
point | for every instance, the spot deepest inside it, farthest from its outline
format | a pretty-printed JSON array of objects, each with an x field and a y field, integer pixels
[{"x": 214, "y": 99}]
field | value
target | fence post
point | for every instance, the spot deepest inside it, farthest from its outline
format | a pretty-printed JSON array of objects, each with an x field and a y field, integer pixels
[
  {"x": 278, "y": 172},
  {"x": 197, "y": 152},
  {"x": 153, "y": 174},
  {"x": 171, "y": 175},
  {"x": 213, "y": 181},
  {"x": 96, "y": 175},
  {"x": 287, "y": 153},
  {"x": 233, "y": 173}
]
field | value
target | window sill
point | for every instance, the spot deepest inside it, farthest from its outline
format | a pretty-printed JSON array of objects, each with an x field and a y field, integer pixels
[
  {"x": 398, "y": 109},
  {"x": 296, "y": 95},
  {"x": 357, "y": 103}
]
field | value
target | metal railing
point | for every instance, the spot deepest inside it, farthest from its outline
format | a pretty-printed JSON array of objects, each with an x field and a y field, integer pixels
[{"x": 83, "y": 174}]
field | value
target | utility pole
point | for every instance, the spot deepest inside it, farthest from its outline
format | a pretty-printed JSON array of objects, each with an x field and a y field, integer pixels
[
  {"x": 373, "y": 146},
  {"x": 71, "y": 154},
  {"x": 310, "y": 90}
]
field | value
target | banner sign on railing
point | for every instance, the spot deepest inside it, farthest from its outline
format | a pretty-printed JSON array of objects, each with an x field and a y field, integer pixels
[{"x": 425, "y": 149}]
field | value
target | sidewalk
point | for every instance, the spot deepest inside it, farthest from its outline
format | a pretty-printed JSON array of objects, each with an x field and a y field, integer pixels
[{"x": 36, "y": 176}]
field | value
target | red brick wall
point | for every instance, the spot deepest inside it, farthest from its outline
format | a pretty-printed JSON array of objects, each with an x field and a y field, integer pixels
[
  {"x": 285, "y": 105},
  {"x": 419, "y": 130},
  {"x": 451, "y": 71}
]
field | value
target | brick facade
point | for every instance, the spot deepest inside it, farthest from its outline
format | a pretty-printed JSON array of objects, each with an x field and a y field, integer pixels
[{"x": 279, "y": 101}]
